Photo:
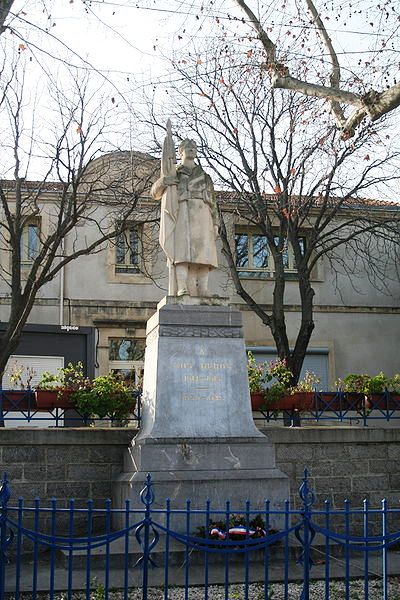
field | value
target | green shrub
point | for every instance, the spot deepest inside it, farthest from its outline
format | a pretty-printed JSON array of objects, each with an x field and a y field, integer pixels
[
  {"x": 393, "y": 384},
  {"x": 106, "y": 396},
  {"x": 365, "y": 384},
  {"x": 377, "y": 384},
  {"x": 273, "y": 394},
  {"x": 356, "y": 383}
]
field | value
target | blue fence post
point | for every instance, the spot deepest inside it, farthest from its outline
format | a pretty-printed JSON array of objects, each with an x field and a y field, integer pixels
[
  {"x": 1, "y": 406},
  {"x": 384, "y": 550},
  {"x": 308, "y": 498},
  {"x": 147, "y": 497},
  {"x": 5, "y": 534}
]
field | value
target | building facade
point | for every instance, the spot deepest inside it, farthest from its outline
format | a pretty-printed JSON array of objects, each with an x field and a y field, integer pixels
[{"x": 115, "y": 290}]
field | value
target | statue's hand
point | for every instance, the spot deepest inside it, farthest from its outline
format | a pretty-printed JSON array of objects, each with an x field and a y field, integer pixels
[{"x": 170, "y": 180}]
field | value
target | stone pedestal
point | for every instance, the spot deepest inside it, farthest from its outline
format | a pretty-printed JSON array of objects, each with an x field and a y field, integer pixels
[{"x": 198, "y": 438}]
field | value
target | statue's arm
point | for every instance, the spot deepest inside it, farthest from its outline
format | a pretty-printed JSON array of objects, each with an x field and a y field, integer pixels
[{"x": 158, "y": 188}]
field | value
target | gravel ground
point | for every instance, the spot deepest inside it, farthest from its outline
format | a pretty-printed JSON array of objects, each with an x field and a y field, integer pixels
[{"x": 256, "y": 592}]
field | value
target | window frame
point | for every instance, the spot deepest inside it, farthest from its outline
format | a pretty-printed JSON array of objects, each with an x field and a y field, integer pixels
[
  {"x": 129, "y": 267},
  {"x": 250, "y": 271},
  {"x": 27, "y": 257},
  {"x": 134, "y": 365}
]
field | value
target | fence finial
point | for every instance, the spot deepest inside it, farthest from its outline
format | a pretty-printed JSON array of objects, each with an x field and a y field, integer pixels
[
  {"x": 306, "y": 494},
  {"x": 4, "y": 491},
  {"x": 147, "y": 494}
]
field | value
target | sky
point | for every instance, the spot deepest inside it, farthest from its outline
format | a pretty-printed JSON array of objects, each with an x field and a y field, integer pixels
[
  {"x": 136, "y": 39},
  {"x": 127, "y": 47}
]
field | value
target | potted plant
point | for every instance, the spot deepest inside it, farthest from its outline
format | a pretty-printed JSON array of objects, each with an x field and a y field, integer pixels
[
  {"x": 256, "y": 374},
  {"x": 106, "y": 396},
  {"x": 303, "y": 392},
  {"x": 391, "y": 399},
  {"x": 364, "y": 392},
  {"x": 21, "y": 396},
  {"x": 274, "y": 397},
  {"x": 393, "y": 386},
  {"x": 356, "y": 383},
  {"x": 56, "y": 391},
  {"x": 355, "y": 386},
  {"x": 376, "y": 387},
  {"x": 280, "y": 376}
]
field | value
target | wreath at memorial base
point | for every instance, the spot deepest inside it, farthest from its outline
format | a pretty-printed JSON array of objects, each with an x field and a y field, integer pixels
[{"x": 237, "y": 528}]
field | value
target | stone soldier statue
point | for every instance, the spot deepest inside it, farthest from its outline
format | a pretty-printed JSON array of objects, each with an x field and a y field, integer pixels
[{"x": 188, "y": 226}]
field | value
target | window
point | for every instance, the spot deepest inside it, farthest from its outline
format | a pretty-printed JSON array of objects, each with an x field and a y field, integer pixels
[
  {"x": 30, "y": 240},
  {"x": 127, "y": 359},
  {"x": 128, "y": 251},
  {"x": 126, "y": 349},
  {"x": 253, "y": 256}
]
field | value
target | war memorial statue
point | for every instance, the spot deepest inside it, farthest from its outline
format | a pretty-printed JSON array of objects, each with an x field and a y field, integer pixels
[
  {"x": 197, "y": 436},
  {"x": 188, "y": 224}
]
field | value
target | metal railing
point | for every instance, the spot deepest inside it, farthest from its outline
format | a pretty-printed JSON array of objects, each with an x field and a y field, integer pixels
[
  {"x": 18, "y": 407},
  {"x": 338, "y": 406},
  {"x": 68, "y": 547}
]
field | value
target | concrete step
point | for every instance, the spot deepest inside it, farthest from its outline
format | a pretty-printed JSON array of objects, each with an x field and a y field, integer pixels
[{"x": 177, "y": 575}]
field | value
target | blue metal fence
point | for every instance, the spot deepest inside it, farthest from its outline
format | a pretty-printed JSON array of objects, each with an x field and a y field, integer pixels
[
  {"x": 71, "y": 547},
  {"x": 341, "y": 407},
  {"x": 20, "y": 406}
]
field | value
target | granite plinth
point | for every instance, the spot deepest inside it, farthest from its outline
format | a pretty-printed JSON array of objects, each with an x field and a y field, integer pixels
[{"x": 195, "y": 382}]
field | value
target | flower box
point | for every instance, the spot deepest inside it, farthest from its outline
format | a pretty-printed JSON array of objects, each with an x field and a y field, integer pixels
[
  {"x": 17, "y": 400},
  {"x": 301, "y": 401},
  {"x": 330, "y": 401},
  {"x": 257, "y": 400},
  {"x": 356, "y": 401},
  {"x": 383, "y": 401},
  {"x": 49, "y": 399}
]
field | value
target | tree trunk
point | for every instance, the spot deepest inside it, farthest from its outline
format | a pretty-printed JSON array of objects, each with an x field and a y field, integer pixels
[
  {"x": 5, "y": 7},
  {"x": 278, "y": 325},
  {"x": 306, "y": 326}
]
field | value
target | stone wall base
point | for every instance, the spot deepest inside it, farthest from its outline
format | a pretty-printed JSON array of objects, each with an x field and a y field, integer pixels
[{"x": 344, "y": 463}]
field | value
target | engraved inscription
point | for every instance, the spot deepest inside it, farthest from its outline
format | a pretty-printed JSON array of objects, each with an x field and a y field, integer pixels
[
  {"x": 215, "y": 365},
  {"x": 202, "y": 379},
  {"x": 193, "y": 331}
]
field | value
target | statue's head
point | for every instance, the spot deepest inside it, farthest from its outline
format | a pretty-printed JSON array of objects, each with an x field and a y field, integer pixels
[{"x": 187, "y": 147}]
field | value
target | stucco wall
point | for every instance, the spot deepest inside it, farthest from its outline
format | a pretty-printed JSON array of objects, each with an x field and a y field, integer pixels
[
  {"x": 344, "y": 463},
  {"x": 359, "y": 340}
]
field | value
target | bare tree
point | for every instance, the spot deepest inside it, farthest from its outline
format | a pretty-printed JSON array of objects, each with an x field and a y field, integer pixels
[
  {"x": 5, "y": 7},
  {"x": 294, "y": 183},
  {"x": 367, "y": 102},
  {"x": 84, "y": 201}
]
